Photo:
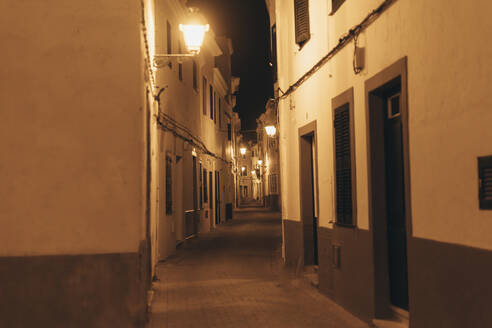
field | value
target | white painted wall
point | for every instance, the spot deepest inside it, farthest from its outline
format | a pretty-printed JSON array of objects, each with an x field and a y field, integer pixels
[{"x": 449, "y": 71}]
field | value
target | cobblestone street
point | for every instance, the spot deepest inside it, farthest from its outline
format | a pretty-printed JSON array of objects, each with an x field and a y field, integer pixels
[{"x": 234, "y": 277}]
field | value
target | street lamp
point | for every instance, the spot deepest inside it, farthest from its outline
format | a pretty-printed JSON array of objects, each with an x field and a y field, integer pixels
[
  {"x": 260, "y": 162},
  {"x": 243, "y": 151},
  {"x": 271, "y": 130},
  {"x": 193, "y": 36},
  {"x": 193, "y": 33}
]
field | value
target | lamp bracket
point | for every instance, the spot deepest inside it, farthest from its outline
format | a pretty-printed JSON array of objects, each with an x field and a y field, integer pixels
[{"x": 164, "y": 60}]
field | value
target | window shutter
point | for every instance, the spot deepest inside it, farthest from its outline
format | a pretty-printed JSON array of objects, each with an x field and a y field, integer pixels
[
  {"x": 301, "y": 11},
  {"x": 343, "y": 165},
  {"x": 485, "y": 176}
]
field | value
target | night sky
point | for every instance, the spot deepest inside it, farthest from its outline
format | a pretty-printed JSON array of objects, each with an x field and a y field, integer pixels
[{"x": 246, "y": 22}]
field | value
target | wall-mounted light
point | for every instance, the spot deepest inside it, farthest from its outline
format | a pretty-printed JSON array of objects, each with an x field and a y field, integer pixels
[
  {"x": 243, "y": 151},
  {"x": 243, "y": 169},
  {"x": 193, "y": 33},
  {"x": 271, "y": 130},
  {"x": 193, "y": 36}
]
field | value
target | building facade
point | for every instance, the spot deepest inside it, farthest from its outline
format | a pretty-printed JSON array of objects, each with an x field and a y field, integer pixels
[
  {"x": 116, "y": 155},
  {"x": 191, "y": 130},
  {"x": 384, "y": 116},
  {"x": 269, "y": 156}
]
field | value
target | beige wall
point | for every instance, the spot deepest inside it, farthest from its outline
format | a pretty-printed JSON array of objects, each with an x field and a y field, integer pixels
[
  {"x": 449, "y": 107},
  {"x": 71, "y": 137}
]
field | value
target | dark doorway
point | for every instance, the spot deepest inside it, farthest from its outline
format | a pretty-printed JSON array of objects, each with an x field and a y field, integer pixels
[
  {"x": 389, "y": 187},
  {"x": 217, "y": 197},
  {"x": 395, "y": 203},
  {"x": 307, "y": 170},
  {"x": 211, "y": 199}
]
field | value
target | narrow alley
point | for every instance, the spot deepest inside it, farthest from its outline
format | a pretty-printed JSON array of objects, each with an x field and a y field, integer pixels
[{"x": 234, "y": 277}]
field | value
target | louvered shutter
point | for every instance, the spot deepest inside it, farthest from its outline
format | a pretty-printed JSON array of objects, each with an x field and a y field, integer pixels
[
  {"x": 485, "y": 176},
  {"x": 343, "y": 165},
  {"x": 301, "y": 11}
]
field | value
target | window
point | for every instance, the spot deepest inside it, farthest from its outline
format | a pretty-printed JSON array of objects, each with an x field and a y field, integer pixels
[
  {"x": 169, "y": 41},
  {"x": 205, "y": 193},
  {"x": 343, "y": 123},
  {"x": 180, "y": 65},
  {"x": 229, "y": 132},
  {"x": 210, "y": 190},
  {"x": 302, "y": 29},
  {"x": 220, "y": 113},
  {"x": 485, "y": 182},
  {"x": 272, "y": 143},
  {"x": 215, "y": 108},
  {"x": 195, "y": 76},
  {"x": 204, "y": 95},
  {"x": 272, "y": 181},
  {"x": 201, "y": 186},
  {"x": 245, "y": 171},
  {"x": 211, "y": 100},
  {"x": 274, "y": 52},
  {"x": 335, "y": 4},
  {"x": 169, "y": 185}
]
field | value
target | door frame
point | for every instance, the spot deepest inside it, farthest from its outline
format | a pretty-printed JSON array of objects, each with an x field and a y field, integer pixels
[
  {"x": 308, "y": 130},
  {"x": 377, "y": 204}
]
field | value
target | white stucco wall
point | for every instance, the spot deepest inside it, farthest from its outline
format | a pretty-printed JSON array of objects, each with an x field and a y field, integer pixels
[
  {"x": 71, "y": 137},
  {"x": 449, "y": 71}
]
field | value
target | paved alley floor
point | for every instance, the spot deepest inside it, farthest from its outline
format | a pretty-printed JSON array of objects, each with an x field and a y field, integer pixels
[{"x": 234, "y": 277}]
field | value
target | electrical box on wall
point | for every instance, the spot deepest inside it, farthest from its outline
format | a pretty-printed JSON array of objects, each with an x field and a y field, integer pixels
[{"x": 485, "y": 182}]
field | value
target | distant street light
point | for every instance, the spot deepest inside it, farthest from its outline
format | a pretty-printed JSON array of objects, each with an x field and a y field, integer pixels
[
  {"x": 271, "y": 130},
  {"x": 260, "y": 162},
  {"x": 253, "y": 172},
  {"x": 243, "y": 151}
]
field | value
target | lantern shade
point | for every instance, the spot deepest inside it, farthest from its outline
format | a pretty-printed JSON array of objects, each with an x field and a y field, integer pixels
[
  {"x": 271, "y": 130},
  {"x": 193, "y": 36}
]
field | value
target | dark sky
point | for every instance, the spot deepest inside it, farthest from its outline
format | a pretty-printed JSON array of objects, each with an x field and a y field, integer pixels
[{"x": 246, "y": 22}]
